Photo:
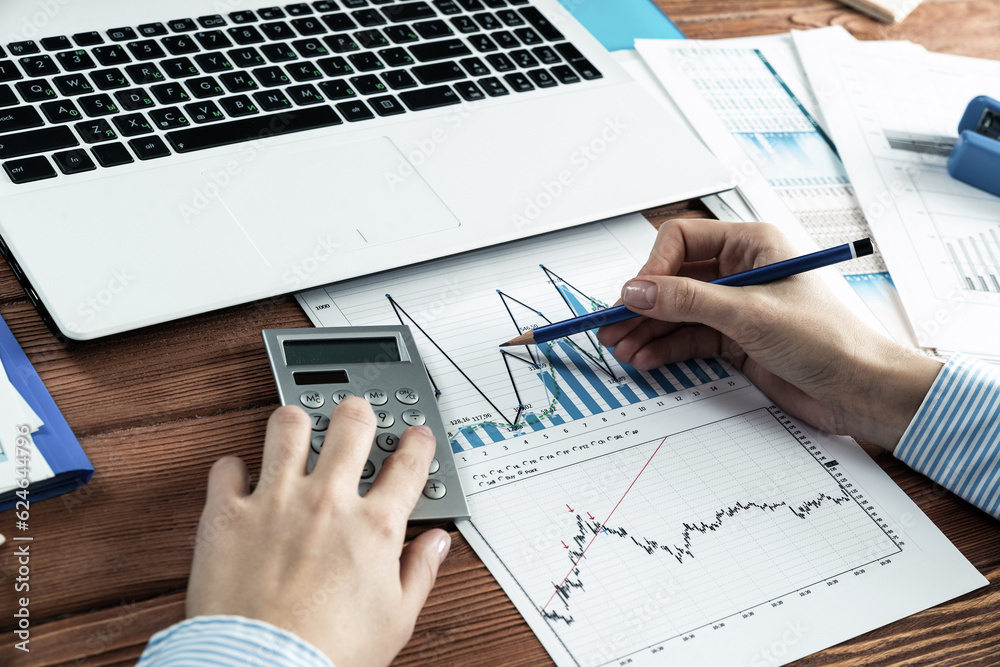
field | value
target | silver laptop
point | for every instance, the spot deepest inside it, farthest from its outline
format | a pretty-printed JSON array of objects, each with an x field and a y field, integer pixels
[{"x": 163, "y": 159}]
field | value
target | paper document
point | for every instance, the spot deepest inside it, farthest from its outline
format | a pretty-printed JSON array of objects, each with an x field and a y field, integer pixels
[
  {"x": 894, "y": 118},
  {"x": 751, "y": 104},
  {"x": 665, "y": 517}
]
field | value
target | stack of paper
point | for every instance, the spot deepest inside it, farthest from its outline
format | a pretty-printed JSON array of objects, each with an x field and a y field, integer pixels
[{"x": 887, "y": 11}]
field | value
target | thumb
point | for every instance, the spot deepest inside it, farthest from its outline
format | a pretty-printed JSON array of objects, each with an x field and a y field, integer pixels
[
  {"x": 418, "y": 566},
  {"x": 676, "y": 299}
]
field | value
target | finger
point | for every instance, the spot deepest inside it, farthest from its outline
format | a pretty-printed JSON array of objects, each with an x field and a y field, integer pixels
[
  {"x": 348, "y": 443},
  {"x": 673, "y": 299},
  {"x": 738, "y": 246},
  {"x": 228, "y": 479},
  {"x": 647, "y": 330},
  {"x": 286, "y": 446},
  {"x": 688, "y": 342},
  {"x": 418, "y": 567},
  {"x": 404, "y": 474}
]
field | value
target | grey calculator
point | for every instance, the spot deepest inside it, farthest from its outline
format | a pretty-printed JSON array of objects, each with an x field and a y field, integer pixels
[{"x": 318, "y": 368}]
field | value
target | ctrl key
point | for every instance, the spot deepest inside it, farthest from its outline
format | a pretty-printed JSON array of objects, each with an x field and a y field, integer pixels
[{"x": 29, "y": 169}]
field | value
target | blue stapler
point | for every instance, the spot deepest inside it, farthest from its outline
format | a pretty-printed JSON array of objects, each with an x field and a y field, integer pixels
[{"x": 975, "y": 159}]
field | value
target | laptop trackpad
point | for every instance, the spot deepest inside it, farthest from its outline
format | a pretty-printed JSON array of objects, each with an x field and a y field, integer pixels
[{"x": 338, "y": 198}]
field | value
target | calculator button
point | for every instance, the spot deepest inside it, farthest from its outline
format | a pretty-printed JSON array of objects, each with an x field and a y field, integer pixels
[
  {"x": 369, "y": 469},
  {"x": 317, "y": 443},
  {"x": 435, "y": 466},
  {"x": 407, "y": 396},
  {"x": 384, "y": 418},
  {"x": 312, "y": 399},
  {"x": 338, "y": 396},
  {"x": 434, "y": 489},
  {"x": 376, "y": 397},
  {"x": 413, "y": 417},
  {"x": 387, "y": 442},
  {"x": 320, "y": 422},
  {"x": 363, "y": 488}
]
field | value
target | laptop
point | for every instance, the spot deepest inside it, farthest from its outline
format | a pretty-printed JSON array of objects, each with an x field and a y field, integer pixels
[{"x": 161, "y": 160}]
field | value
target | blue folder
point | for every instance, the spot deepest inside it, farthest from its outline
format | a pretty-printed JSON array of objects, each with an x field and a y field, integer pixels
[
  {"x": 54, "y": 440},
  {"x": 617, "y": 23}
]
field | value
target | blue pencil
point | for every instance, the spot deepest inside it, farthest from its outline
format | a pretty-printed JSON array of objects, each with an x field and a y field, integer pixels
[{"x": 758, "y": 276}]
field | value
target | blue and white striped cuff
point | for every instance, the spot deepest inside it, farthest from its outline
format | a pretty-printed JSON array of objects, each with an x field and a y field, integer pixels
[
  {"x": 955, "y": 436},
  {"x": 229, "y": 641}
]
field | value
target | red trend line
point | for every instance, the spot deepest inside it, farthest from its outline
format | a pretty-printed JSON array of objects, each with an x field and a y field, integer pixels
[{"x": 577, "y": 561}]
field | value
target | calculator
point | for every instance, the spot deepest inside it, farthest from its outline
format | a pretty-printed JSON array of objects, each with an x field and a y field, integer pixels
[{"x": 318, "y": 368}]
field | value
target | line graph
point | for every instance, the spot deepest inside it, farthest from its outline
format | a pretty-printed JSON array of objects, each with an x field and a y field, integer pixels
[{"x": 773, "y": 519}]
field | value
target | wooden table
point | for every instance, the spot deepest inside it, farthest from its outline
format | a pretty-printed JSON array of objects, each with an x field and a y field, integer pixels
[{"x": 155, "y": 408}]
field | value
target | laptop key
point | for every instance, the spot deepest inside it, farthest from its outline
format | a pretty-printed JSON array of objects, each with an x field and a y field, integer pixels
[
  {"x": 109, "y": 79},
  {"x": 495, "y": 4},
  {"x": 98, "y": 105},
  {"x": 147, "y": 49},
  {"x": 232, "y": 132},
  {"x": 298, "y": 9},
  {"x": 505, "y": 39},
  {"x": 20, "y": 118},
  {"x": 180, "y": 45},
  {"x": 487, "y": 21},
  {"x": 111, "y": 55},
  {"x": 213, "y": 21},
  {"x": 310, "y": 48},
  {"x": 583, "y": 66},
  {"x": 410, "y": 11},
  {"x": 60, "y": 111},
  {"x": 355, "y": 111},
  {"x": 271, "y": 13},
  {"x": 546, "y": 55},
  {"x": 541, "y": 24},
  {"x": 238, "y": 82},
  {"x": 213, "y": 39},
  {"x": 272, "y": 100},
  {"x": 387, "y": 106},
  {"x": 25, "y": 48},
  {"x": 429, "y": 98},
  {"x": 42, "y": 65},
  {"x": 371, "y": 39},
  {"x": 170, "y": 118},
  {"x": 542, "y": 78},
  {"x": 523, "y": 59},
  {"x": 238, "y": 106},
  {"x": 35, "y": 90},
  {"x": 339, "y": 22},
  {"x": 152, "y": 29},
  {"x": 510, "y": 18},
  {"x": 182, "y": 25},
  {"x": 518, "y": 82},
  {"x": 368, "y": 85},
  {"x": 92, "y": 38},
  {"x": 366, "y": 61},
  {"x": 438, "y": 73},
  {"x": 9, "y": 71},
  {"x": 565, "y": 74},
  {"x": 246, "y": 58},
  {"x": 475, "y": 66},
  {"x": 469, "y": 91},
  {"x": 493, "y": 87},
  {"x": 500, "y": 62},
  {"x": 528, "y": 36},
  {"x": 336, "y": 66},
  {"x": 401, "y": 34},
  {"x": 341, "y": 43},
  {"x": 149, "y": 148},
  {"x": 73, "y": 84},
  {"x": 145, "y": 74},
  {"x": 74, "y": 162},
  {"x": 447, "y": 7},
  {"x": 112, "y": 155},
  {"x": 323, "y": 6},
  {"x": 212, "y": 63},
  {"x": 179, "y": 68},
  {"x": 304, "y": 71},
  {"x": 433, "y": 29},
  {"x": 277, "y": 30},
  {"x": 29, "y": 170},
  {"x": 446, "y": 48},
  {"x": 368, "y": 18},
  {"x": 396, "y": 57},
  {"x": 465, "y": 25},
  {"x": 399, "y": 79},
  {"x": 121, "y": 34},
  {"x": 354, "y": 4},
  {"x": 75, "y": 61},
  {"x": 170, "y": 93},
  {"x": 271, "y": 77},
  {"x": 304, "y": 95},
  {"x": 95, "y": 131},
  {"x": 205, "y": 87},
  {"x": 7, "y": 96},
  {"x": 246, "y": 34},
  {"x": 134, "y": 99},
  {"x": 472, "y": 5},
  {"x": 337, "y": 90},
  {"x": 279, "y": 53},
  {"x": 132, "y": 125},
  {"x": 36, "y": 141},
  {"x": 483, "y": 43},
  {"x": 243, "y": 16},
  {"x": 309, "y": 26}
]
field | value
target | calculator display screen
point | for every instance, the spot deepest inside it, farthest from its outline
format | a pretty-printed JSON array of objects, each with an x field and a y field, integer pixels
[{"x": 341, "y": 351}]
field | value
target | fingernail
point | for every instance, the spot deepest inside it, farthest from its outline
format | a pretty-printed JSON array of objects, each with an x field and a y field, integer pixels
[
  {"x": 640, "y": 294},
  {"x": 423, "y": 428},
  {"x": 444, "y": 544}
]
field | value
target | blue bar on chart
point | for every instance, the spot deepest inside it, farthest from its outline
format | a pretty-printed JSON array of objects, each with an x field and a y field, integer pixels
[
  {"x": 716, "y": 367},
  {"x": 628, "y": 394},
  {"x": 496, "y": 435},
  {"x": 574, "y": 303},
  {"x": 470, "y": 434},
  {"x": 567, "y": 377},
  {"x": 588, "y": 372},
  {"x": 534, "y": 422},
  {"x": 679, "y": 374},
  {"x": 560, "y": 396},
  {"x": 556, "y": 420},
  {"x": 667, "y": 385},
  {"x": 698, "y": 371},
  {"x": 640, "y": 381}
]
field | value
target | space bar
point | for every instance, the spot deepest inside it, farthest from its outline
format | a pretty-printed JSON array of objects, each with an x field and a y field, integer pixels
[{"x": 247, "y": 129}]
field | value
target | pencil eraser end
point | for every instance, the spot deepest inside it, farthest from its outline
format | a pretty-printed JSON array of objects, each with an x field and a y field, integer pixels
[{"x": 864, "y": 247}]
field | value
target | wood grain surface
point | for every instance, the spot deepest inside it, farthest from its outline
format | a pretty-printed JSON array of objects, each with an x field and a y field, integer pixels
[{"x": 154, "y": 408}]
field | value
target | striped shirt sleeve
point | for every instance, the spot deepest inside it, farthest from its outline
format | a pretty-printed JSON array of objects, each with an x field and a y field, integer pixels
[
  {"x": 955, "y": 436},
  {"x": 229, "y": 641}
]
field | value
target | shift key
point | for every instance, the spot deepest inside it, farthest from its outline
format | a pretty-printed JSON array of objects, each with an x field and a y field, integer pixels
[
  {"x": 36, "y": 141},
  {"x": 19, "y": 118}
]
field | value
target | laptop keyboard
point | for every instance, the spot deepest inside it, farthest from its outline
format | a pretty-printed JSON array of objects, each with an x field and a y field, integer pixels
[{"x": 102, "y": 99}]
